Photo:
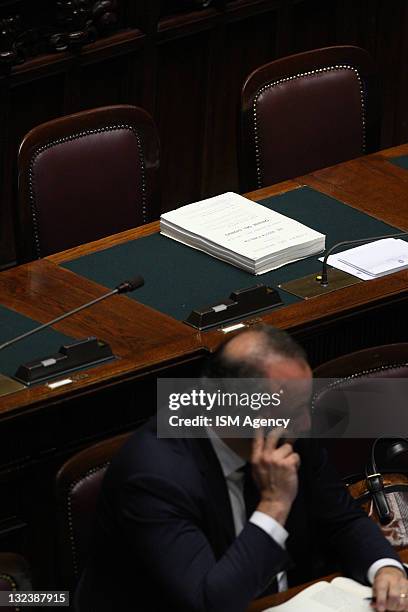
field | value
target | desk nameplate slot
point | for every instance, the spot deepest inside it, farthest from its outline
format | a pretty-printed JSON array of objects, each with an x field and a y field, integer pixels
[{"x": 241, "y": 304}]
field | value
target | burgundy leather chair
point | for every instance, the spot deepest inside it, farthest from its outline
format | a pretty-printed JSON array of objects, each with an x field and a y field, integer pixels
[
  {"x": 348, "y": 372},
  {"x": 14, "y": 576},
  {"x": 86, "y": 176},
  {"x": 307, "y": 111},
  {"x": 77, "y": 485}
]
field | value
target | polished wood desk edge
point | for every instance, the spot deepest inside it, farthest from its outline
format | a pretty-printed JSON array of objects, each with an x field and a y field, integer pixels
[
  {"x": 66, "y": 290},
  {"x": 85, "y": 382},
  {"x": 274, "y": 600},
  {"x": 341, "y": 302},
  {"x": 151, "y": 228},
  {"x": 105, "y": 243},
  {"x": 396, "y": 151},
  {"x": 147, "y": 340},
  {"x": 370, "y": 184}
]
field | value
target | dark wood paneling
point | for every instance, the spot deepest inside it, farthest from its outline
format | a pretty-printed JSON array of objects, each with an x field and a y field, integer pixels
[
  {"x": 180, "y": 113},
  {"x": 185, "y": 63},
  {"x": 27, "y": 106},
  {"x": 313, "y": 25},
  {"x": 115, "y": 81},
  {"x": 237, "y": 56},
  {"x": 391, "y": 62},
  {"x": 401, "y": 99}
]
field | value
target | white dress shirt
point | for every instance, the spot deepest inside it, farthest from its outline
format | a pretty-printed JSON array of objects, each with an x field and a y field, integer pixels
[{"x": 230, "y": 464}]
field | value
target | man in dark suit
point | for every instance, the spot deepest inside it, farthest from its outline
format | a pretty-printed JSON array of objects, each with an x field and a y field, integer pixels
[{"x": 183, "y": 525}]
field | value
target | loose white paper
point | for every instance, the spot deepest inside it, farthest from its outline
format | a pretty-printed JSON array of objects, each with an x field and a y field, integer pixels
[{"x": 372, "y": 260}]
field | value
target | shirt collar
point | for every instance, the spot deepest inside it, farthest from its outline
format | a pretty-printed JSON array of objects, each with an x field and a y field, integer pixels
[{"x": 229, "y": 460}]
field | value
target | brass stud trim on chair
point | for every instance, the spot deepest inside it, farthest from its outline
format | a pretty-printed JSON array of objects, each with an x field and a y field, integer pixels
[
  {"x": 356, "y": 375},
  {"x": 71, "y": 137},
  {"x": 73, "y": 484},
  {"x": 301, "y": 75},
  {"x": 13, "y": 585}
]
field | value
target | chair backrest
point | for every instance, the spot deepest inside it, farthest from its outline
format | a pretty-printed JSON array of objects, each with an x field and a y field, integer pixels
[
  {"x": 347, "y": 373},
  {"x": 86, "y": 176},
  {"x": 77, "y": 485},
  {"x": 307, "y": 111}
]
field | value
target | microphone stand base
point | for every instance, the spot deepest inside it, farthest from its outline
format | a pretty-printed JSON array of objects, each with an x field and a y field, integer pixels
[
  {"x": 9, "y": 385},
  {"x": 309, "y": 286}
]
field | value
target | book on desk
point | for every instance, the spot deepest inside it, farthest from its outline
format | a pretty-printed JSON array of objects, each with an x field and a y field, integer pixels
[{"x": 341, "y": 594}]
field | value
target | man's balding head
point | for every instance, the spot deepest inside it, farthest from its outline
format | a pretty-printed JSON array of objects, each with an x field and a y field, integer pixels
[
  {"x": 270, "y": 354},
  {"x": 253, "y": 353}
]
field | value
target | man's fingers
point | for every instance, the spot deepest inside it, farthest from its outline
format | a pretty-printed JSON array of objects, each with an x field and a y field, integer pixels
[
  {"x": 401, "y": 604},
  {"x": 283, "y": 451},
  {"x": 257, "y": 446},
  {"x": 394, "y": 600},
  {"x": 290, "y": 461},
  {"x": 400, "y": 596},
  {"x": 264, "y": 451},
  {"x": 380, "y": 594},
  {"x": 391, "y": 590},
  {"x": 295, "y": 458},
  {"x": 273, "y": 437},
  {"x": 388, "y": 595}
]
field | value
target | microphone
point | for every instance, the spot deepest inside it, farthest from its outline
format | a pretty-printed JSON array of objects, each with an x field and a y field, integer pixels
[
  {"x": 324, "y": 281},
  {"x": 80, "y": 353},
  {"x": 125, "y": 287},
  {"x": 314, "y": 285},
  {"x": 130, "y": 285}
]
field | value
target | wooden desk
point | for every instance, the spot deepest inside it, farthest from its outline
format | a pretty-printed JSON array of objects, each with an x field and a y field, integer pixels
[
  {"x": 144, "y": 339},
  {"x": 274, "y": 600},
  {"x": 40, "y": 427},
  {"x": 148, "y": 341}
]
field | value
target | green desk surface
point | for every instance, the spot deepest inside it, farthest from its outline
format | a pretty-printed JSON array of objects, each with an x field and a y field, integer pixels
[
  {"x": 179, "y": 278},
  {"x": 36, "y": 346},
  {"x": 401, "y": 161}
]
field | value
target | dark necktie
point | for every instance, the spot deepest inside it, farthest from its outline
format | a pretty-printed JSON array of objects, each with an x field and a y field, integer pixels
[{"x": 251, "y": 492}]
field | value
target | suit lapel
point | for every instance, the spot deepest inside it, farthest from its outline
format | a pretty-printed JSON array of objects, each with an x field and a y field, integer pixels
[{"x": 220, "y": 520}]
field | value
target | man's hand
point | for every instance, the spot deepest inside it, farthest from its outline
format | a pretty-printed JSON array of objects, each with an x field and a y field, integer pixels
[
  {"x": 275, "y": 471},
  {"x": 390, "y": 590}
]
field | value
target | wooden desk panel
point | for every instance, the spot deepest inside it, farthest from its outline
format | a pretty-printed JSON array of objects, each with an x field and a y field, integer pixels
[{"x": 371, "y": 184}]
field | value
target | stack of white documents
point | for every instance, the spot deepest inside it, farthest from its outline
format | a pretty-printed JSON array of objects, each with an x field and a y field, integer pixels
[
  {"x": 243, "y": 233},
  {"x": 374, "y": 259}
]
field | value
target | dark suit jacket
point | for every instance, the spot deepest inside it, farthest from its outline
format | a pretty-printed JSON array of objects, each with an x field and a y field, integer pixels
[{"x": 164, "y": 536}]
